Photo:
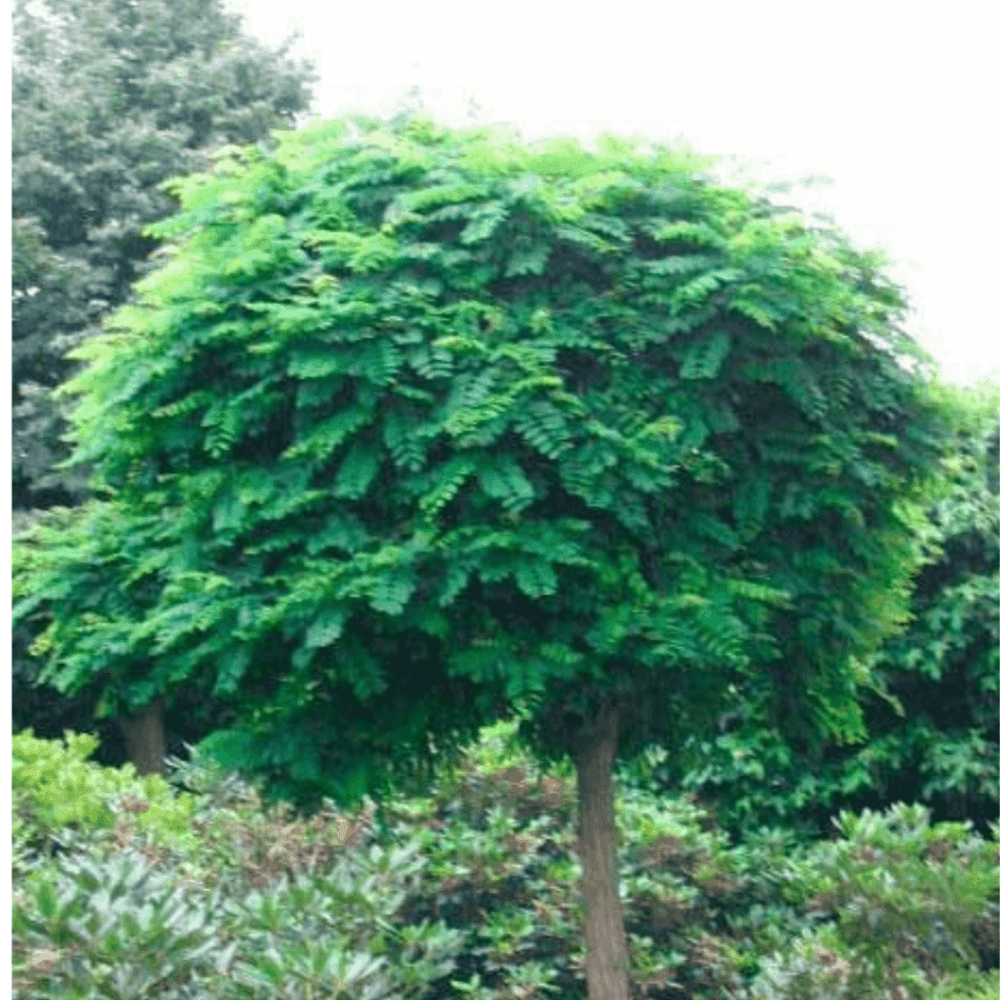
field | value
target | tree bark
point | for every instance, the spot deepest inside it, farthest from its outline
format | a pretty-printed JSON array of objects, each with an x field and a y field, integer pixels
[
  {"x": 594, "y": 748},
  {"x": 145, "y": 739}
]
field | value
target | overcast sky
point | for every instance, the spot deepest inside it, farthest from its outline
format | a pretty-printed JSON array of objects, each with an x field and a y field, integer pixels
[{"x": 896, "y": 103}]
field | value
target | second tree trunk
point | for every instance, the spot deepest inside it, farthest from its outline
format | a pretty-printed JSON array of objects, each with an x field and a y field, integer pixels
[{"x": 145, "y": 739}]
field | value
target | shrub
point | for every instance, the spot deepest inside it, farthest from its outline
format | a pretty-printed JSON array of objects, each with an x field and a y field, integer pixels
[
  {"x": 317, "y": 934},
  {"x": 899, "y": 900},
  {"x": 114, "y": 927},
  {"x": 472, "y": 889},
  {"x": 55, "y": 787}
]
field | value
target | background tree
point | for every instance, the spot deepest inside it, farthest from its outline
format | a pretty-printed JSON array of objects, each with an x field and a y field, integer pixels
[
  {"x": 416, "y": 424},
  {"x": 110, "y": 97},
  {"x": 933, "y": 722}
]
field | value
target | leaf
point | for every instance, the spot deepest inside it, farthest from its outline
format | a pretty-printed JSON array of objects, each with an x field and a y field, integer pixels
[
  {"x": 231, "y": 668},
  {"x": 404, "y": 438},
  {"x": 392, "y": 592},
  {"x": 536, "y": 578},
  {"x": 357, "y": 471},
  {"x": 456, "y": 578},
  {"x": 483, "y": 223},
  {"x": 341, "y": 531},
  {"x": 752, "y": 590},
  {"x": 705, "y": 359},
  {"x": 326, "y": 628},
  {"x": 669, "y": 427},
  {"x": 750, "y": 504},
  {"x": 689, "y": 232},
  {"x": 431, "y": 362},
  {"x": 228, "y": 512},
  {"x": 504, "y": 480},
  {"x": 315, "y": 362},
  {"x": 679, "y": 264},
  {"x": 544, "y": 427},
  {"x": 446, "y": 483},
  {"x": 326, "y": 436},
  {"x": 527, "y": 260}
]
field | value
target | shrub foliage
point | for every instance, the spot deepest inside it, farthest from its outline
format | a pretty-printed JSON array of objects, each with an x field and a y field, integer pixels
[
  {"x": 933, "y": 718},
  {"x": 473, "y": 890}
]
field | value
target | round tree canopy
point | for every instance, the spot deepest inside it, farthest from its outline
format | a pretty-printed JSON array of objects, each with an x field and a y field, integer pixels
[{"x": 416, "y": 424}]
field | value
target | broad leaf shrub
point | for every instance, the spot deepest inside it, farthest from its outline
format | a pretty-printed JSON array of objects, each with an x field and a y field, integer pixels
[
  {"x": 470, "y": 889},
  {"x": 704, "y": 919},
  {"x": 905, "y": 896},
  {"x": 113, "y": 926},
  {"x": 811, "y": 970},
  {"x": 290, "y": 909}
]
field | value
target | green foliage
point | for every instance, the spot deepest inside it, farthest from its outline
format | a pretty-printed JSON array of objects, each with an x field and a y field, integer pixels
[
  {"x": 296, "y": 932},
  {"x": 114, "y": 928},
  {"x": 417, "y": 424},
  {"x": 981, "y": 986},
  {"x": 904, "y": 897},
  {"x": 245, "y": 904},
  {"x": 944, "y": 668},
  {"x": 472, "y": 889},
  {"x": 904, "y": 888},
  {"x": 933, "y": 712},
  {"x": 55, "y": 786},
  {"x": 110, "y": 99}
]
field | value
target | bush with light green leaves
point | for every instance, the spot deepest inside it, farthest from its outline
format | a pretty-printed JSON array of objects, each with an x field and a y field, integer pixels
[{"x": 56, "y": 787}]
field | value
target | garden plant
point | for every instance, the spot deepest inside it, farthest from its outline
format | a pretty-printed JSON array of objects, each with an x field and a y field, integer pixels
[{"x": 472, "y": 889}]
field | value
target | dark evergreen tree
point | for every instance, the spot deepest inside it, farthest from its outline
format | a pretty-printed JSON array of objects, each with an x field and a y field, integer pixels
[{"x": 110, "y": 98}]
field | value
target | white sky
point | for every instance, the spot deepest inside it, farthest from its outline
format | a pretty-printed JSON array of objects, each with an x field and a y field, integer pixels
[{"x": 895, "y": 102}]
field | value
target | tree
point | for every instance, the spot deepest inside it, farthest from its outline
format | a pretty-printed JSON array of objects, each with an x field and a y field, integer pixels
[
  {"x": 943, "y": 670},
  {"x": 933, "y": 717},
  {"x": 415, "y": 425},
  {"x": 110, "y": 98}
]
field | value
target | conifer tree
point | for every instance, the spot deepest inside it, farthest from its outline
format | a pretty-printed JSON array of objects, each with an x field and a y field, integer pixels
[
  {"x": 111, "y": 97},
  {"x": 416, "y": 425}
]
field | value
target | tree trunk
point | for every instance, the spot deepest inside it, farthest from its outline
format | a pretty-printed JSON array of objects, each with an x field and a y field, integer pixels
[
  {"x": 145, "y": 740},
  {"x": 607, "y": 951}
]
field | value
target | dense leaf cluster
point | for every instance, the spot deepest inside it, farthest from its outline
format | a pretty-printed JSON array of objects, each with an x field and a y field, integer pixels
[
  {"x": 55, "y": 787},
  {"x": 933, "y": 719},
  {"x": 109, "y": 98},
  {"x": 416, "y": 424}
]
